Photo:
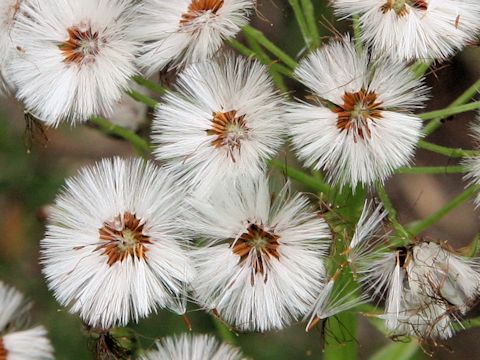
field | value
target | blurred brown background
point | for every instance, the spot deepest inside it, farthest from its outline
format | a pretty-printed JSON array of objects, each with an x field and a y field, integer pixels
[{"x": 28, "y": 182}]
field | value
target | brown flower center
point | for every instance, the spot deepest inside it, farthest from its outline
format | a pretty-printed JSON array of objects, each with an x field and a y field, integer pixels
[
  {"x": 264, "y": 244},
  {"x": 82, "y": 45},
  {"x": 3, "y": 351},
  {"x": 402, "y": 7},
  {"x": 123, "y": 237},
  {"x": 229, "y": 131},
  {"x": 198, "y": 8},
  {"x": 358, "y": 110}
]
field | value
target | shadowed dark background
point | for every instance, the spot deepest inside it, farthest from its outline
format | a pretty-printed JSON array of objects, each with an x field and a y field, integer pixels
[{"x": 28, "y": 182}]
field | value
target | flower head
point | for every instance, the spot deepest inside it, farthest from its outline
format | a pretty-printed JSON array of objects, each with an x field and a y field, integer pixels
[
  {"x": 361, "y": 127},
  {"x": 193, "y": 347},
  {"x": 114, "y": 250},
  {"x": 16, "y": 343},
  {"x": 271, "y": 255},
  {"x": 74, "y": 57},
  {"x": 222, "y": 124},
  {"x": 415, "y": 29},
  {"x": 427, "y": 287},
  {"x": 186, "y": 31}
]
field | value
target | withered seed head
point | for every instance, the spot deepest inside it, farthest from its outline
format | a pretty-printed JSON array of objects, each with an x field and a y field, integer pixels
[
  {"x": 198, "y": 7},
  {"x": 402, "y": 7},
  {"x": 358, "y": 110},
  {"x": 81, "y": 46},
  {"x": 264, "y": 243},
  {"x": 123, "y": 237}
]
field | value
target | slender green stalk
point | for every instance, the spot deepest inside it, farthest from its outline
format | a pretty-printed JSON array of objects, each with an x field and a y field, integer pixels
[
  {"x": 419, "y": 226},
  {"x": 357, "y": 32},
  {"x": 150, "y": 85},
  {"x": 313, "y": 183},
  {"x": 140, "y": 144},
  {"x": 147, "y": 100},
  {"x": 449, "y": 111},
  {"x": 420, "y": 68},
  {"x": 223, "y": 331},
  {"x": 265, "y": 59},
  {"x": 457, "y": 169},
  {"x": 309, "y": 11},
  {"x": 461, "y": 100},
  {"x": 302, "y": 23},
  {"x": 392, "y": 212},
  {"x": 267, "y": 44},
  {"x": 450, "y": 152},
  {"x": 242, "y": 49}
]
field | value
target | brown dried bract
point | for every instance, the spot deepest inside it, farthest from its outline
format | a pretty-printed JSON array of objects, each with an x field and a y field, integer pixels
[
  {"x": 198, "y": 7},
  {"x": 81, "y": 46},
  {"x": 264, "y": 243},
  {"x": 358, "y": 110},
  {"x": 402, "y": 7},
  {"x": 3, "y": 351},
  {"x": 229, "y": 130},
  {"x": 123, "y": 237}
]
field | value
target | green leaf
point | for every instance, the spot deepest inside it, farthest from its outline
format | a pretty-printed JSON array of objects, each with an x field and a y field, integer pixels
[
  {"x": 340, "y": 340},
  {"x": 397, "y": 351}
]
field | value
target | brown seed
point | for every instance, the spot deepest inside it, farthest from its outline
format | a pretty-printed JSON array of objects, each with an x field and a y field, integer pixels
[{"x": 198, "y": 7}]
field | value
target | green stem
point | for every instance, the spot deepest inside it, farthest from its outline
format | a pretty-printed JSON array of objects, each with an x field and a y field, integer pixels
[
  {"x": 267, "y": 44},
  {"x": 299, "y": 176},
  {"x": 302, "y": 23},
  {"x": 449, "y": 111},
  {"x": 420, "y": 68},
  {"x": 242, "y": 49},
  {"x": 357, "y": 32},
  {"x": 223, "y": 331},
  {"x": 419, "y": 226},
  {"x": 309, "y": 11},
  {"x": 392, "y": 212},
  {"x": 147, "y": 100},
  {"x": 458, "y": 169},
  {"x": 462, "y": 99},
  {"x": 265, "y": 59},
  {"x": 140, "y": 144},
  {"x": 150, "y": 85},
  {"x": 450, "y": 152}
]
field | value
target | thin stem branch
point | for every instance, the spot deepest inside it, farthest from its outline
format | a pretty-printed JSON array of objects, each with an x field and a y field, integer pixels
[
  {"x": 357, "y": 32},
  {"x": 450, "y": 152},
  {"x": 302, "y": 23},
  {"x": 150, "y": 85},
  {"x": 313, "y": 183},
  {"x": 420, "y": 68},
  {"x": 223, "y": 331},
  {"x": 419, "y": 226},
  {"x": 147, "y": 100},
  {"x": 392, "y": 212},
  {"x": 309, "y": 12},
  {"x": 267, "y": 44},
  {"x": 140, "y": 144},
  {"x": 449, "y": 111},
  {"x": 242, "y": 49},
  {"x": 462, "y": 99},
  {"x": 456, "y": 169}
]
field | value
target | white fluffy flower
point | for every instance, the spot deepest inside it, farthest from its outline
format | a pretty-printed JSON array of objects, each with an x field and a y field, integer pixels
[
  {"x": 74, "y": 58},
  {"x": 8, "y": 12},
  {"x": 193, "y": 347},
  {"x": 262, "y": 265},
  {"x": 473, "y": 163},
  {"x": 16, "y": 344},
  {"x": 114, "y": 249},
  {"x": 427, "y": 287},
  {"x": 415, "y": 29},
  {"x": 30, "y": 344},
  {"x": 222, "y": 124},
  {"x": 361, "y": 127},
  {"x": 186, "y": 31}
]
